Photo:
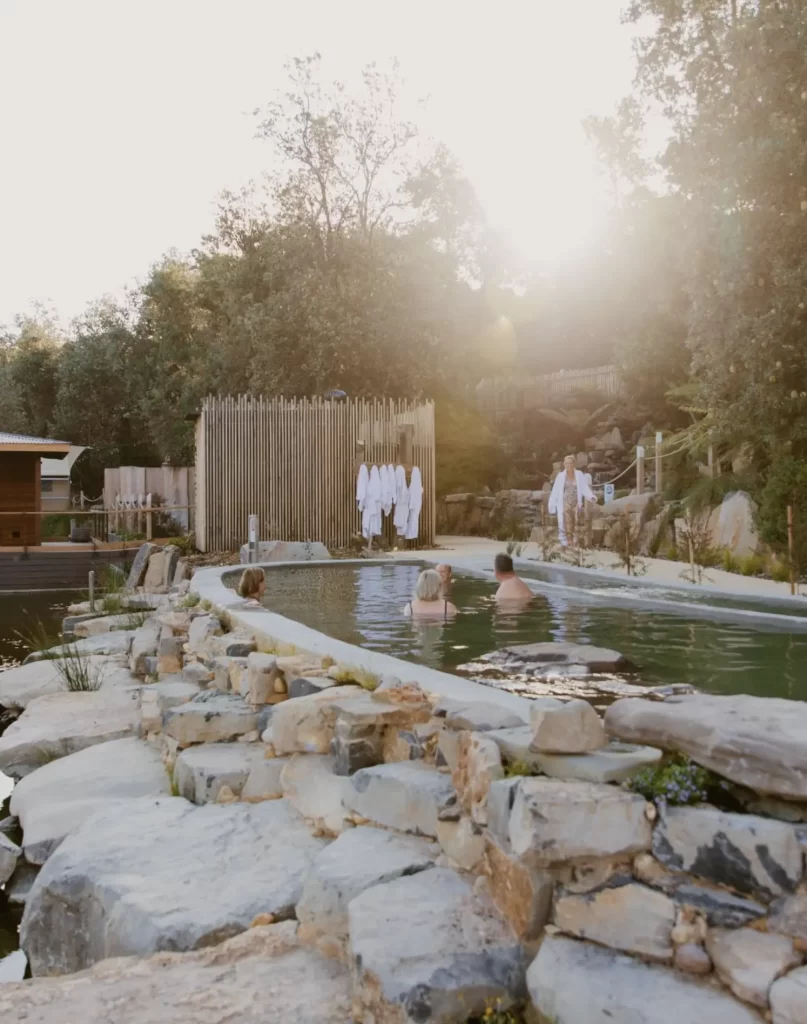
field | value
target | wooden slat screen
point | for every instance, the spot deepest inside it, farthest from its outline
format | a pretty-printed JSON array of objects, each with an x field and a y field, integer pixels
[{"x": 293, "y": 463}]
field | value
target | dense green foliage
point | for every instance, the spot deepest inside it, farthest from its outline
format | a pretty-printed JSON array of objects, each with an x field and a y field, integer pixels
[{"x": 676, "y": 781}]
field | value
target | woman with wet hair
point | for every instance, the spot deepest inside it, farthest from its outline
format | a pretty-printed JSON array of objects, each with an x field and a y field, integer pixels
[{"x": 428, "y": 601}]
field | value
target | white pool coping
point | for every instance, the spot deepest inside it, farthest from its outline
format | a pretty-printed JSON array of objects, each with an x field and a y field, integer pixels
[{"x": 279, "y": 630}]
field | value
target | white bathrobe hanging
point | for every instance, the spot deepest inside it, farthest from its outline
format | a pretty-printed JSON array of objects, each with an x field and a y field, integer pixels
[
  {"x": 361, "y": 486},
  {"x": 371, "y": 516},
  {"x": 415, "y": 505},
  {"x": 387, "y": 489},
  {"x": 401, "y": 519},
  {"x": 584, "y": 492}
]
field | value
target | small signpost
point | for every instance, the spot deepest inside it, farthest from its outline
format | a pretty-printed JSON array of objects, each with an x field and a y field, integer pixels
[
  {"x": 252, "y": 547},
  {"x": 609, "y": 492}
]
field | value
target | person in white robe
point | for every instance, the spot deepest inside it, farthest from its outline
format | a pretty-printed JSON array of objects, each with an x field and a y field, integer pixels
[{"x": 570, "y": 489}]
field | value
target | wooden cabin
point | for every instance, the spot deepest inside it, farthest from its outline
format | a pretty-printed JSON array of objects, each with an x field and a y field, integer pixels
[{"x": 21, "y": 485}]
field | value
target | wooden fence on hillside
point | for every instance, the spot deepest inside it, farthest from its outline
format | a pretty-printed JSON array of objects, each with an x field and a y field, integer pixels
[
  {"x": 499, "y": 396},
  {"x": 294, "y": 464}
]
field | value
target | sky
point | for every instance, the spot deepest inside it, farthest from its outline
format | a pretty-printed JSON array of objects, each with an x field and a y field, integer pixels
[{"x": 122, "y": 120}]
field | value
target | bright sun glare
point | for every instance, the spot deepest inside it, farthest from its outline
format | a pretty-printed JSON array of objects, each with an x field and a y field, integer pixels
[{"x": 141, "y": 160}]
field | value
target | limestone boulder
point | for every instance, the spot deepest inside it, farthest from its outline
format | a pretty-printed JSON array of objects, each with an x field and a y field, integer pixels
[
  {"x": 356, "y": 861},
  {"x": 789, "y": 917},
  {"x": 758, "y": 742},
  {"x": 24, "y": 683},
  {"x": 565, "y": 727},
  {"x": 9, "y": 855},
  {"x": 721, "y": 908},
  {"x": 201, "y": 771},
  {"x": 102, "y": 624},
  {"x": 162, "y": 874},
  {"x": 538, "y": 659},
  {"x": 211, "y": 717},
  {"x": 238, "y": 980},
  {"x": 160, "y": 697},
  {"x": 306, "y": 725},
  {"x": 478, "y": 716},
  {"x": 479, "y": 763},
  {"x": 201, "y": 629},
  {"x": 425, "y": 948},
  {"x": 408, "y": 796},
  {"x": 262, "y": 676},
  {"x": 145, "y": 643},
  {"x": 732, "y": 526},
  {"x": 758, "y": 856},
  {"x": 462, "y": 843},
  {"x": 311, "y": 787},
  {"x": 63, "y": 723},
  {"x": 632, "y": 918},
  {"x": 57, "y": 798},
  {"x": 788, "y": 998},
  {"x": 573, "y": 982},
  {"x": 304, "y": 686},
  {"x": 116, "y": 643},
  {"x": 264, "y": 780},
  {"x": 554, "y": 821},
  {"x": 139, "y": 565},
  {"x": 749, "y": 961},
  {"x": 521, "y": 892}
]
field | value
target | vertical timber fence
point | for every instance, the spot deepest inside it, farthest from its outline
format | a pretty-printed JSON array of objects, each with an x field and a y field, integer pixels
[{"x": 294, "y": 464}]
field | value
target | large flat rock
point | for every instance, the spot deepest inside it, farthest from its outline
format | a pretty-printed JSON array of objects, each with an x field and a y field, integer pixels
[
  {"x": 162, "y": 874},
  {"x": 24, "y": 683},
  {"x": 577, "y": 983},
  {"x": 287, "y": 551},
  {"x": 758, "y": 742},
  {"x": 255, "y": 977},
  {"x": 201, "y": 771},
  {"x": 212, "y": 717},
  {"x": 759, "y": 856},
  {"x": 358, "y": 859},
  {"x": 425, "y": 948},
  {"x": 553, "y": 821},
  {"x": 58, "y": 797},
  {"x": 63, "y": 723},
  {"x": 536, "y": 659},
  {"x": 408, "y": 796},
  {"x": 105, "y": 643}
]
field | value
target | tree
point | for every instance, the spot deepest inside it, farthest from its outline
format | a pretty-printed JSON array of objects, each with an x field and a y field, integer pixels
[
  {"x": 731, "y": 79},
  {"x": 31, "y": 360}
]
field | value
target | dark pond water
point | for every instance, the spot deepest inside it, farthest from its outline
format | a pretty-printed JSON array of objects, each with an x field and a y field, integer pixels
[
  {"x": 363, "y": 605},
  {"x": 20, "y": 614}
]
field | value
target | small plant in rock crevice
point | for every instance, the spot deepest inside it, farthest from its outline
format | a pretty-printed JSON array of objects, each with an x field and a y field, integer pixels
[
  {"x": 78, "y": 672},
  {"x": 189, "y": 601},
  {"x": 676, "y": 782},
  {"x": 495, "y": 1014},
  {"x": 514, "y": 769}
]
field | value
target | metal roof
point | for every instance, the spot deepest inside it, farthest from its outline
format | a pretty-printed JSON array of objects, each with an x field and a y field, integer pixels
[{"x": 27, "y": 439}]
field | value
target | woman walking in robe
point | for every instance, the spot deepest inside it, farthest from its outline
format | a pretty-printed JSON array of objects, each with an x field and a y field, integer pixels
[{"x": 570, "y": 490}]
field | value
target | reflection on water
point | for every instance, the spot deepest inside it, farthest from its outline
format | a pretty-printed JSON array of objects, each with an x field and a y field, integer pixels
[{"x": 364, "y": 604}]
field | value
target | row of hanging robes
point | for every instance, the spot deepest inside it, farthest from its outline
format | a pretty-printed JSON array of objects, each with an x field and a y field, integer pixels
[{"x": 383, "y": 491}]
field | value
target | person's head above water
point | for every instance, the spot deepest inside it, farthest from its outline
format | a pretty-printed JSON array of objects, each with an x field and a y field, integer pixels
[
  {"x": 252, "y": 583},
  {"x": 445, "y": 572},
  {"x": 503, "y": 566},
  {"x": 429, "y": 586}
]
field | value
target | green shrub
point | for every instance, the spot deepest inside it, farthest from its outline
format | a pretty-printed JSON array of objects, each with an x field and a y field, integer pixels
[
  {"x": 728, "y": 562},
  {"x": 752, "y": 565},
  {"x": 77, "y": 671},
  {"x": 786, "y": 484},
  {"x": 778, "y": 570},
  {"x": 189, "y": 601},
  {"x": 676, "y": 781}
]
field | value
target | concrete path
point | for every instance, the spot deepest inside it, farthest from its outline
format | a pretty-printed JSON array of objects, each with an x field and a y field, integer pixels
[{"x": 479, "y": 552}]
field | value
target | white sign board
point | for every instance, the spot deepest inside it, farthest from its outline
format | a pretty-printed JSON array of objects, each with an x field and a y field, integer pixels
[
  {"x": 609, "y": 492},
  {"x": 253, "y": 529}
]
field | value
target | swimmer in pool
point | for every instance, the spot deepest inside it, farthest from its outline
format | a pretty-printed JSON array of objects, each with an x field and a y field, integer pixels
[
  {"x": 428, "y": 601},
  {"x": 512, "y": 590}
]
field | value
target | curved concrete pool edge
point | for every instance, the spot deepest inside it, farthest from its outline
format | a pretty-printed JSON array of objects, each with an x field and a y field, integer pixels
[{"x": 278, "y": 631}]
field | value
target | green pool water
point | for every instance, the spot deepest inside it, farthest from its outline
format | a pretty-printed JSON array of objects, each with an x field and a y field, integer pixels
[{"x": 363, "y": 605}]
